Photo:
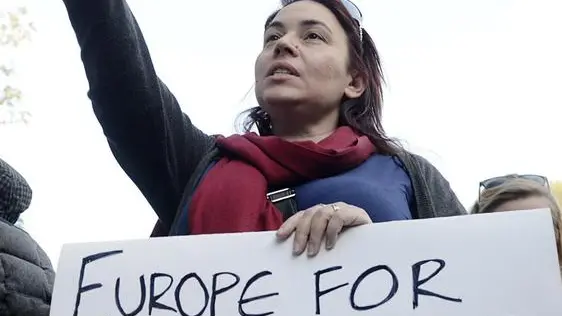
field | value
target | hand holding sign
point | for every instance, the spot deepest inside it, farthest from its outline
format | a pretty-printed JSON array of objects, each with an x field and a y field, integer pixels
[{"x": 318, "y": 222}]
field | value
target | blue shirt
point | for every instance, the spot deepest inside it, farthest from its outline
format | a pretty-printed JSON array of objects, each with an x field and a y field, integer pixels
[{"x": 380, "y": 186}]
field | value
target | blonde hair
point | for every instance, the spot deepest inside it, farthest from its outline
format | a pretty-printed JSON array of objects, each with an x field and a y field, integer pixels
[{"x": 517, "y": 189}]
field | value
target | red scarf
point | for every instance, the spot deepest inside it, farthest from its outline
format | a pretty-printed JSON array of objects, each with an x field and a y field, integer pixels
[{"x": 232, "y": 196}]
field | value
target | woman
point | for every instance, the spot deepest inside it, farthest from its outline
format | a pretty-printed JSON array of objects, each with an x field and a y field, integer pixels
[
  {"x": 520, "y": 192},
  {"x": 322, "y": 148},
  {"x": 26, "y": 274}
]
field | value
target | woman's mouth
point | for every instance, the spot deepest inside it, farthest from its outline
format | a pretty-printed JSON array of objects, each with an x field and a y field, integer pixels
[{"x": 282, "y": 69}]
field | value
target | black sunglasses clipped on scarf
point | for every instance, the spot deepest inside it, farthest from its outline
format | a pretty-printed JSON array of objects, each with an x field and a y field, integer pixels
[{"x": 497, "y": 181}]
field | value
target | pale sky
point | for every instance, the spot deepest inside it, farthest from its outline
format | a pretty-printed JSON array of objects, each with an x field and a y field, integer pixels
[{"x": 475, "y": 86}]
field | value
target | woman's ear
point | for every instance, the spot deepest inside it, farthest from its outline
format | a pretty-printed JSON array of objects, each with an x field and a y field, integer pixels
[{"x": 356, "y": 86}]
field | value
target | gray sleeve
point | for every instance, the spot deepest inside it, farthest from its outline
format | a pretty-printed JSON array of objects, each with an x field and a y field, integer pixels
[{"x": 433, "y": 193}]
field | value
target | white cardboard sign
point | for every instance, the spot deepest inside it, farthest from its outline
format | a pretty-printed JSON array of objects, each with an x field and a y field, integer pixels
[{"x": 498, "y": 264}]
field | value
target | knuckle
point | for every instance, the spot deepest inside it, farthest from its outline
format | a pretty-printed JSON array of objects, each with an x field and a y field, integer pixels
[
  {"x": 304, "y": 213},
  {"x": 325, "y": 211},
  {"x": 300, "y": 234},
  {"x": 311, "y": 211}
]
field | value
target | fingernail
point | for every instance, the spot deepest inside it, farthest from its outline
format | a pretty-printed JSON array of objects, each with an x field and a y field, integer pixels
[
  {"x": 310, "y": 249},
  {"x": 296, "y": 248},
  {"x": 329, "y": 245}
]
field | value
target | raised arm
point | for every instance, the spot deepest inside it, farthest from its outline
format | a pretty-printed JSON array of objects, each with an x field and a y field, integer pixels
[{"x": 153, "y": 141}]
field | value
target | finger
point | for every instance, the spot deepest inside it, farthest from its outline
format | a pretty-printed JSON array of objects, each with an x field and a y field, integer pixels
[
  {"x": 318, "y": 224},
  {"x": 334, "y": 228},
  {"x": 289, "y": 226},
  {"x": 302, "y": 230}
]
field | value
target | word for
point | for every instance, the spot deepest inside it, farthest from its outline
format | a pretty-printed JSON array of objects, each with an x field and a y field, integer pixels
[{"x": 231, "y": 280}]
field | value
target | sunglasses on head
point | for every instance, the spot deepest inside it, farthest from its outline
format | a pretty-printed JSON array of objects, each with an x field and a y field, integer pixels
[
  {"x": 351, "y": 7},
  {"x": 497, "y": 181}
]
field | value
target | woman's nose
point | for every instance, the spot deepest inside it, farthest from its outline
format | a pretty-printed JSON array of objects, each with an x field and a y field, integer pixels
[{"x": 285, "y": 46}]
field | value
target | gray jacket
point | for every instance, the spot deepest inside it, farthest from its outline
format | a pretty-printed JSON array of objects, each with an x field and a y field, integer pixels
[
  {"x": 26, "y": 274},
  {"x": 153, "y": 140}
]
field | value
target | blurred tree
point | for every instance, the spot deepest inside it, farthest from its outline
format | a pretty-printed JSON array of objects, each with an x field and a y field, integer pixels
[
  {"x": 15, "y": 29},
  {"x": 556, "y": 187}
]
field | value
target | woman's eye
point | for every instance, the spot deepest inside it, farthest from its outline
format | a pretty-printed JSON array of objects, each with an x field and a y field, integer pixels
[
  {"x": 314, "y": 36},
  {"x": 272, "y": 37}
]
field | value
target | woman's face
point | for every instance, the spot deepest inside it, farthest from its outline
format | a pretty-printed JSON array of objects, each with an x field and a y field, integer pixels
[
  {"x": 304, "y": 61},
  {"x": 529, "y": 203}
]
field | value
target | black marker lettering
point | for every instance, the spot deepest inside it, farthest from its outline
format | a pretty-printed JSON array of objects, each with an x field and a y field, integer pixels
[
  {"x": 153, "y": 301},
  {"x": 416, "y": 268},
  {"x": 85, "y": 288},
  {"x": 216, "y": 291},
  {"x": 178, "y": 293},
  {"x": 365, "y": 274},
  {"x": 243, "y": 300},
  {"x": 319, "y": 292},
  {"x": 142, "y": 298}
]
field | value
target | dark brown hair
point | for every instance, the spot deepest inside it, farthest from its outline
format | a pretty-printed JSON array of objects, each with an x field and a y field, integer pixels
[{"x": 364, "y": 114}]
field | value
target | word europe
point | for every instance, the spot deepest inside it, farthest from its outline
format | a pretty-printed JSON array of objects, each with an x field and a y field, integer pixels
[{"x": 150, "y": 300}]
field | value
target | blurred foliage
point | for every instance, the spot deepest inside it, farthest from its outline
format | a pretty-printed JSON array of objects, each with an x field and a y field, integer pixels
[
  {"x": 556, "y": 187},
  {"x": 15, "y": 29}
]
